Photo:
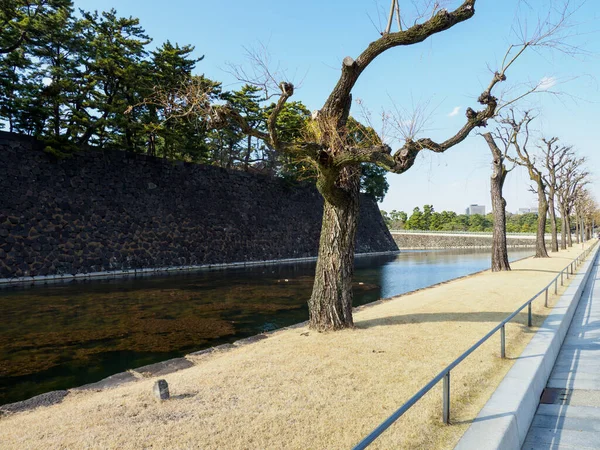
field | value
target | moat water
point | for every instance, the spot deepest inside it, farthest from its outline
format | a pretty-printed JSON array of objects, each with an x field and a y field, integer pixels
[{"x": 65, "y": 335}]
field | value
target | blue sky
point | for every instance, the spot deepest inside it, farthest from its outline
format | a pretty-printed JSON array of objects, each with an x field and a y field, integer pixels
[{"x": 309, "y": 39}]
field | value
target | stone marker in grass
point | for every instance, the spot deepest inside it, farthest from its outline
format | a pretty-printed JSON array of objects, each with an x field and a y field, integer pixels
[{"x": 161, "y": 390}]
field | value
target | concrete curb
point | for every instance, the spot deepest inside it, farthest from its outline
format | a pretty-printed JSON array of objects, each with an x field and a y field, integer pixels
[{"x": 505, "y": 419}]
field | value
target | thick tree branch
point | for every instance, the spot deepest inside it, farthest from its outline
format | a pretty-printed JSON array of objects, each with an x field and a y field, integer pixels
[
  {"x": 405, "y": 157},
  {"x": 351, "y": 70},
  {"x": 15, "y": 45},
  {"x": 287, "y": 90}
]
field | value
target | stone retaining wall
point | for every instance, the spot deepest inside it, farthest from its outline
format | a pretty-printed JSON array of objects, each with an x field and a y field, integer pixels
[
  {"x": 433, "y": 241},
  {"x": 111, "y": 210}
]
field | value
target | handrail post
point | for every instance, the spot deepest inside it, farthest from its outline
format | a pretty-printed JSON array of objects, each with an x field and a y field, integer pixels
[
  {"x": 446, "y": 399},
  {"x": 529, "y": 321},
  {"x": 561, "y": 278},
  {"x": 502, "y": 342},
  {"x": 556, "y": 286},
  {"x": 546, "y": 301}
]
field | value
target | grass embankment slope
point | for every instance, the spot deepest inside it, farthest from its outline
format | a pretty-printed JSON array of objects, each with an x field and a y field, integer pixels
[{"x": 300, "y": 389}]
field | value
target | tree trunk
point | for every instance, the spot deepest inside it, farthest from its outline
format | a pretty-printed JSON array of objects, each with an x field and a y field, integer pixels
[
  {"x": 569, "y": 235},
  {"x": 563, "y": 230},
  {"x": 552, "y": 212},
  {"x": 499, "y": 249},
  {"x": 540, "y": 241},
  {"x": 330, "y": 305},
  {"x": 576, "y": 228},
  {"x": 248, "y": 152}
]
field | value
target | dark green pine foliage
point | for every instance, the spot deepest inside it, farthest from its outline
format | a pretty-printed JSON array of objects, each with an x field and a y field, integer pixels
[
  {"x": 291, "y": 124},
  {"x": 111, "y": 57},
  {"x": 87, "y": 79},
  {"x": 22, "y": 21},
  {"x": 13, "y": 67},
  {"x": 54, "y": 47},
  {"x": 230, "y": 146},
  {"x": 171, "y": 68}
]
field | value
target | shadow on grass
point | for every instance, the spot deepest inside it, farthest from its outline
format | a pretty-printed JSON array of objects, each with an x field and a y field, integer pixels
[
  {"x": 493, "y": 317},
  {"x": 556, "y": 272}
]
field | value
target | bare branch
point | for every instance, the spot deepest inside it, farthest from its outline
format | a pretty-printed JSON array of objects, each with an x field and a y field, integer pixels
[
  {"x": 442, "y": 20},
  {"x": 262, "y": 73}
]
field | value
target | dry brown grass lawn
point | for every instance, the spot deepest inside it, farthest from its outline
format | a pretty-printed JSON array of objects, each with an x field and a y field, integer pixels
[{"x": 300, "y": 389}]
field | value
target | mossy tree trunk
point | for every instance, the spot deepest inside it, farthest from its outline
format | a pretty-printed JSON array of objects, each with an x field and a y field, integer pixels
[{"x": 330, "y": 305}]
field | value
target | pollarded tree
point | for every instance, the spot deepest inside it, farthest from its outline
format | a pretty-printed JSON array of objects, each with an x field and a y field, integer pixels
[
  {"x": 336, "y": 159},
  {"x": 499, "y": 172},
  {"x": 582, "y": 206},
  {"x": 571, "y": 179},
  {"x": 525, "y": 159},
  {"x": 555, "y": 158}
]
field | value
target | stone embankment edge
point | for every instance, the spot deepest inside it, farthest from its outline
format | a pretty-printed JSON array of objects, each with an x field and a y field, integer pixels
[
  {"x": 176, "y": 364},
  {"x": 505, "y": 419},
  {"x": 46, "y": 279}
]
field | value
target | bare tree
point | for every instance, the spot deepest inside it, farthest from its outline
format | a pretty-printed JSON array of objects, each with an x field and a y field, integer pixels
[
  {"x": 506, "y": 136},
  {"x": 336, "y": 157},
  {"x": 523, "y": 158},
  {"x": 571, "y": 179},
  {"x": 555, "y": 157},
  {"x": 582, "y": 209},
  {"x": 590, "y": 212}
]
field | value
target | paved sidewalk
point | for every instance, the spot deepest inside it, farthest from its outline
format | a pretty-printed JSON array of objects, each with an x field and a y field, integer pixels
[{"x": 568, "y": 416}]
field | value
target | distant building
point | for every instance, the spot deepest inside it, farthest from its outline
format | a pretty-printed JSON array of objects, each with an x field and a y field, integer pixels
[
  {"x": 533, "y": 210},
  {"x": 475, "y": 209}
]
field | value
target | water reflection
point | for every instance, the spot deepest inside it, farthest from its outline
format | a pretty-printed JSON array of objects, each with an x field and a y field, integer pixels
[{"x": 60, "y": 336}]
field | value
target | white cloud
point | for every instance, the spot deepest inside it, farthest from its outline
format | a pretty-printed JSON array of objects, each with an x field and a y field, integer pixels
[
  {"x": 454, "y": 112},
  {"x": 546, "y": 83}
]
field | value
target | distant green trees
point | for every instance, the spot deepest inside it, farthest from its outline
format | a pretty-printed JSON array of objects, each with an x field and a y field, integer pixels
[{"x": 429, "y": 219}]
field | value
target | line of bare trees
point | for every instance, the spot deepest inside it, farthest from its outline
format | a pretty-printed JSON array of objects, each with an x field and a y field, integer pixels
[{"x": 559, "y": 178}]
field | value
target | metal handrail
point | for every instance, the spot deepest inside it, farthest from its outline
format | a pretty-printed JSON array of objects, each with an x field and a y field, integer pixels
[{"x": 445, "y": 374}]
